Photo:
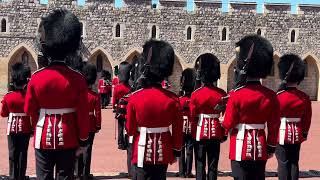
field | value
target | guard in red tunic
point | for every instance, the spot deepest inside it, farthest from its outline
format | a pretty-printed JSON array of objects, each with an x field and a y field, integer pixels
[
  {"x": 115, "y": 80},
  {"x": 57, "y": 99},
  {"x": 187, "y": 82},
  {"x": 105, "y": 88},
  {"x": 84, "y": 160},
  {"x": 19, "y": 124},
  {"x": 250, "y": 107},
  {"x": 205, "y": 123},
  {"x": 120, "y": 90},
  {"x": 150, "y": 113},
  {"x": 295, "y": 113}
]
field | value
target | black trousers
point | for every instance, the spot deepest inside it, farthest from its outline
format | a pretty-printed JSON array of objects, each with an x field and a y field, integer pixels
[
  {"x": 150, "y": 172},
  {"x": 46, "y": 160},
  {"x": 105, "y": 99},
  {"x": 129, "y": 157},
  {"x": 288, "y": 161},
  {"x": 248, "y": 170},
  {"x": 121, "y": 137},
  {"x": 18, "y": 155},
  {"x": 207, "y": 150},
  {"x": 186, "y": 158},
  {"x": 83, "y": 162}
]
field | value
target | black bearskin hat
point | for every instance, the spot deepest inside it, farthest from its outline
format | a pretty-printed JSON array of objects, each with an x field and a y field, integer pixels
[
  {"x": 298, "y": 70},
  {"x": 62, "y": 34},
  {"x": 161, "y": 62},
  {"x": 124, "y": 71},
  {"x": 20, "y": 75},
  {"x": 209, "y": 68},
  {"x": 116, "y": 70},
  {"x": 261, "y": 61},
  {"x": 106, "y": 75},
  {"x": 90, "y": 73},
  {"x": 187, "y": 80}
]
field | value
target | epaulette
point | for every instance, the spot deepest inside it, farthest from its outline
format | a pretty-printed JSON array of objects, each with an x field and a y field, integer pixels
[
  {"x": 74, "y": 70},
  {"x": 9, "y": 92},
  {"x": 279, "y": 92},
  {"x": 237, "y": 89},
  {"x": 39, "y": 70},
  {"x": 198, "y": 89},
  {"x": 134, "y": 92}
]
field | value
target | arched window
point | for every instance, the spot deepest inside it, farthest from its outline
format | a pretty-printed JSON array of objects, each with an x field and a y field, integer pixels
[
  {"x": 154, "y": 6},
  {"x": 118, "y": 30},
  {"x": 259, "y": 32},
  {"x": 25, "y": 58},
  {"x": 224, "y": 34},
  {"x": 99, "y": 63},
  {"x": 154, "y": 32},
  {"x": 189, "y": 31},
  {"x": 3, "y": 25},
  {"x": 293, "y": 36}
]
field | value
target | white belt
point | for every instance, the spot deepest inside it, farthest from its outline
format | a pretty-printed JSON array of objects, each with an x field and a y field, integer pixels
[
  {"x": 240, "y": 136},
  {"x": 130, "y": 139},
  {"x": 11, "y": 115},
  {"x": 143, "y": 138},
  {"x": 42, "y": 116},
  {"x": 201, "y": 117},
  {"x": 91, "y": 113},
  {"x": 102, "y": 86},
  {"x": 283, "y": 127}
]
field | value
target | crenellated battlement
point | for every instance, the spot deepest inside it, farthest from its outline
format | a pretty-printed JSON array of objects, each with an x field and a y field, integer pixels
[
  {"x": 242, "y": 7},
  {"x": 235, "y": 7}
]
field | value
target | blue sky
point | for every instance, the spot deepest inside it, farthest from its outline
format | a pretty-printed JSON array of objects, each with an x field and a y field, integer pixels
[{"x": 118, "y": 3}]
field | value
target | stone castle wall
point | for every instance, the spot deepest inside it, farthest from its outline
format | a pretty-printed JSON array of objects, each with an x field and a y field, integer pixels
[{"x": 171, "y": 18}]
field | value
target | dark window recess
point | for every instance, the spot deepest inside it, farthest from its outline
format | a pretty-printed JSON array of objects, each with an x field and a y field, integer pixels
[
  {"x": 118, "y": 30},
  {"x": 25, "y": 58},
  {"x": 3, "y": 25},
  {"x": 293, "y": 36},
  {"x": 189, "y": 32},
  {"x": 224, "y": 34},
  {"x": 99, "y": 63},
  {"x": 154, "y": 32}
]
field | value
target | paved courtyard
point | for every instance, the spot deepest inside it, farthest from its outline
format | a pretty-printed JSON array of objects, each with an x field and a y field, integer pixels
[{"x": 110, "y": 163}]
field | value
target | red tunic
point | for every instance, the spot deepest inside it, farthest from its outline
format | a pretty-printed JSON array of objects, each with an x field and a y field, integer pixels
[
  {"x": 252, "y": 104},
  {"x": 184, "y": 106},
  {"x": 104, "y": 87},
  {"x": 297, "y": 105},
  {"x": 155, "y": 108},
  {"x": 115, "y": 81},
  {"x": 119, "y": 91},
  {"x": 203, "y": 102},
  {"x": 58, "y": 87},
  {"x": 13, "y": 102},
  {"x": 94, "y": 111}
]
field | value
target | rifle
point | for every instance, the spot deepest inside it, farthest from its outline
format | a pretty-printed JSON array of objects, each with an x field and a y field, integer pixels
[
  {"x": 240, "y": 78},
  {"x": 284, "y": 82},
  {"x": 198, "y": 75}
]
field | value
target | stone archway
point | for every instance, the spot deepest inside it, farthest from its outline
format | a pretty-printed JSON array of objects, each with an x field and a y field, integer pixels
[
  {"x": 174, "y": 79},
  {"x": 23, "y": 54},
  {"x": 310, "y": 84},
  {"x": 102, "y": 60},
  {"x": 132, "y": 54},
  {"x": 273, "y": 81}
]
